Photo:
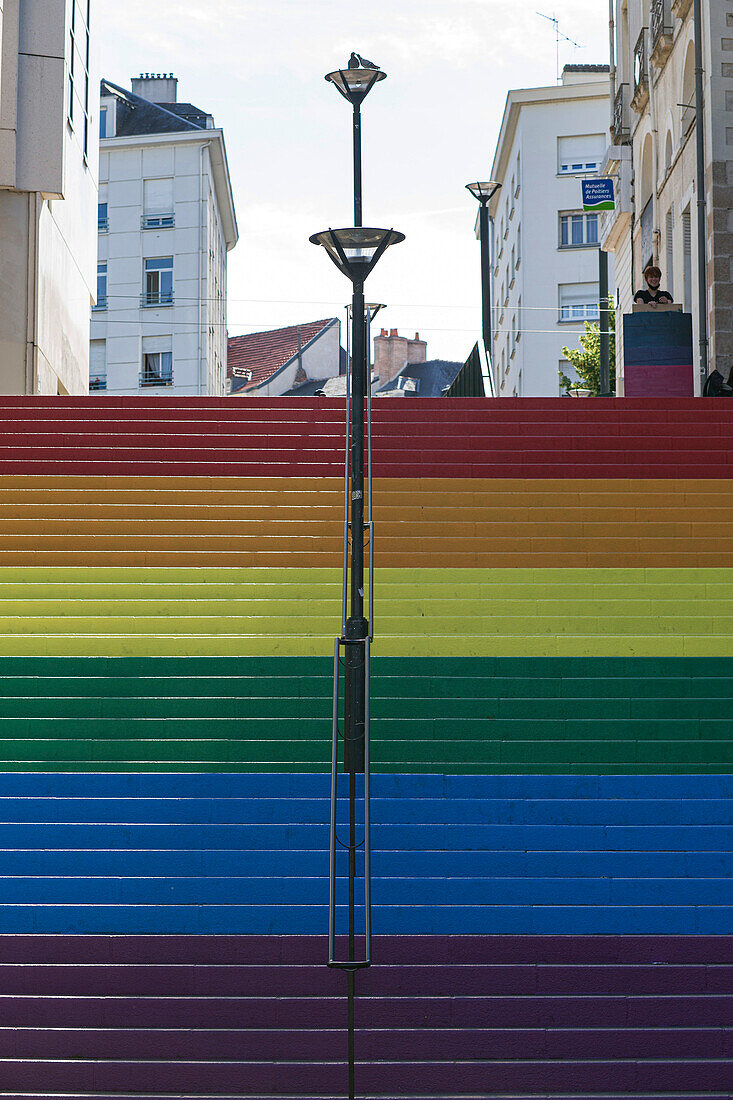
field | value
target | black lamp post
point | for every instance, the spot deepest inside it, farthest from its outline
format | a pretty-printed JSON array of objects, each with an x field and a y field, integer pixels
[
  {"x": 355, "y": 85},
  {"x": 483, "y": 192},
  {"x": 355, "y": 252}
]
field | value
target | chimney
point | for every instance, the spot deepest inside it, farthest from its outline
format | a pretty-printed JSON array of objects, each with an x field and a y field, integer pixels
[
  {"x": 392, "y": 351},
  {"x": 156, "y": 87}
]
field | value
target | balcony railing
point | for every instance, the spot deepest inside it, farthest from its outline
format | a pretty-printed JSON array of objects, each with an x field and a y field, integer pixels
[
  {"x": 641, "y": 74},
  {"x": 156, "y": 298},
  {"x": 151, "y": 378},
  {"x": 621, "y": 127},
  {"x": 157, "y": 221},
  {"x": 662, "y": 30}
]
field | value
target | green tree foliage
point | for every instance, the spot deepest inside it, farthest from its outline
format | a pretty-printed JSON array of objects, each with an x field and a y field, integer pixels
[{"x": 587, "y": 358}]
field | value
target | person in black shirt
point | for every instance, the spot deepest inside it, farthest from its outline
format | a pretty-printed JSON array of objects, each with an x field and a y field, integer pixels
[{"x": 653, "y": 296}]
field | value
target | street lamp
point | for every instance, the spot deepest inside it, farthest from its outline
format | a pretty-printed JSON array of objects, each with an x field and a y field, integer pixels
[
  {"x": 484, "y": 192},
  {"x": 356, "y": 252},
  {"x": 355, "y": 85}
]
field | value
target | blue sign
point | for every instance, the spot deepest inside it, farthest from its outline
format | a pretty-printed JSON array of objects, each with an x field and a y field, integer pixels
[{"x": 598, "y": 195}]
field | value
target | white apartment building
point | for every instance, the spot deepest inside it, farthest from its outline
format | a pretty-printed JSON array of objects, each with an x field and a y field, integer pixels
[
  {"x": 544, "y": 249},
  {"x": 166, "y": 223},
  {"x": 48, "y": 194},
  {"x": 654, "y": 161}
]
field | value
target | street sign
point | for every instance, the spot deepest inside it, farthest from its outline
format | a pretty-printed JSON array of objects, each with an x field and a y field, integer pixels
[{"x": 598, "y": 195}]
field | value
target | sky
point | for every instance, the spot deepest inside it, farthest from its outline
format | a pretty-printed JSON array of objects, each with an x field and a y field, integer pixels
[{"x": 428, "y": 129}]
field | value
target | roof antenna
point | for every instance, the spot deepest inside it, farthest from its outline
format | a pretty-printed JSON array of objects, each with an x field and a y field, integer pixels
[{"x": 558, "y": 35}]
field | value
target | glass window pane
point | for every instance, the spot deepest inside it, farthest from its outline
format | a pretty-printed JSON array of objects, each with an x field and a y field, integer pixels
[
  {"x": 592, "y": 228},
  {"x": 565, "y": 230},
  {"x": 577, "y": 228}
]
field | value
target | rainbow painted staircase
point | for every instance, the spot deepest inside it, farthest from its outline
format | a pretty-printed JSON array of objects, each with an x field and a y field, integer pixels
[{"x": 552, "y": 715}]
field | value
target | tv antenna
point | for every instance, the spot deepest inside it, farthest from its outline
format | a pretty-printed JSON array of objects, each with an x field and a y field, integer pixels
[{"x": 558, "y": 35}]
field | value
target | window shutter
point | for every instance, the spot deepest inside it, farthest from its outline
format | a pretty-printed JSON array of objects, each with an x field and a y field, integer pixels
[
  {"x": 97, "y": 357},
  {"x": 687, "y": 259},
  {"x": 669, "y": 235},
  {"x": 158, "y": 196}
]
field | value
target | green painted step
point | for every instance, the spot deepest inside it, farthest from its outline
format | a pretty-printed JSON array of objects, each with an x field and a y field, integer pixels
[
  {"x": 525, "y": 757},
  {"x": 445, "y": 667},
  {"x": 411, "y": 708}
]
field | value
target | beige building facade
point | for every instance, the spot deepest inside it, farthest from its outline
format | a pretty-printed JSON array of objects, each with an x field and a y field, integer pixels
[
  {"x": 654, "y": 161},
  {"x": 48, "y": 194}
]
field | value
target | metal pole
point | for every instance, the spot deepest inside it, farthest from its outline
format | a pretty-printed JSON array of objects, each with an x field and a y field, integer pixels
[
  {"x": 605, "y": 356},
  {"x": 357, "y": 165},
  {"x": 357, "y": 627},
  {"x": 485, "y": 278},
  {"x": 702, "y": 258}
]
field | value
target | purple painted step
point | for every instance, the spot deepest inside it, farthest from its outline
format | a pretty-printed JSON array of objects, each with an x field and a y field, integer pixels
[
  {"x": 302, "y": 1079},
  {"x": 387, "y": 949},
  {"x": 383, "y": 1012},
  {"x": 398, "y": 1045},
  {"x": 381, "y": 981}
]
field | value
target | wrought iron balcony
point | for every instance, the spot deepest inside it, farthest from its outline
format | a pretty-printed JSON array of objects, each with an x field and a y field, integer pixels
[
  {"x": 156, "y": 298},
  {"x": 662, "y": 30},
  {"x": 641, "y": 74},
  {"x": 621, "y": 127}
]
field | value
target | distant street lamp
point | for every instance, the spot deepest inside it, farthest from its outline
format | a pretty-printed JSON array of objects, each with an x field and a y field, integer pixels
[
  {"x": 355, "y": 85},
  {"x": 355, "y": 252},
  {"x": 483, "y": 192}
]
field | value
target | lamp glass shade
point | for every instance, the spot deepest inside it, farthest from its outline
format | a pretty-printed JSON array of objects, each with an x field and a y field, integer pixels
[
  {"x": 355, "y": 84},
  {"x": 355, "y": 251},
  {"x": 483, "y": 191}
]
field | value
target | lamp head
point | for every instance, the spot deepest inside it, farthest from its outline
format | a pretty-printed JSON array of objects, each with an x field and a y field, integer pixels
[
  {"x": 355, "y": 84},
  {"x": 356, "y": 251},
  {"x": 483, "y": 191}
]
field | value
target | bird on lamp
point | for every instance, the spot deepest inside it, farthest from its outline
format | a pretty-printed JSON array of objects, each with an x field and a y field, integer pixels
[
  {"x": 353, "y": 61},
  {"x": 366, "y": 64}
]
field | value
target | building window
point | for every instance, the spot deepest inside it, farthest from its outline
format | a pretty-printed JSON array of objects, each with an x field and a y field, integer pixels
[
  {"x": 578, "y": 230},
  {"x": 101, "y": 286},
  {"x": 579, "y": 302},
  {"x": 157, "y": 362},
  {"x": 409, "y": 385},
  {"x": 158, "y": 204},
  {"x": 580, "y": 155},
  {"x": 158, "y": 288},
  {"x": 669, "y": 235},
  {"x": 687, "y": 259},
  {"x": 102, "y": 221},
  {"x": 103, "y": 122},
  {"x": 570, "y": 167},
  {"x": 97, "y": 365},
  {"x": 78, "y": 106}
]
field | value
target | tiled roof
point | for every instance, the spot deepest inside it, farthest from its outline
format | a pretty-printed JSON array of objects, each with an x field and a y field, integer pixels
[
  {"x": 586, "y": 68},
  {"x": 136, "y": 115},
  {"x": 263, "y": 353},
  {"x": 431, "y": 377}
]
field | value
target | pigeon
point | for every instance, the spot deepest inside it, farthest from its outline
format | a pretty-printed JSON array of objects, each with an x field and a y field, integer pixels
[
  {"x": 353, "y": 61},
  {"x": 367, "y": 64}
]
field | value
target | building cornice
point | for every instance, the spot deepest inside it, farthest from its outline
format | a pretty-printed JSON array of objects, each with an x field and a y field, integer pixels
[
  {"x": 219, "y": 166},
  {"x": 531, "y": 97}
]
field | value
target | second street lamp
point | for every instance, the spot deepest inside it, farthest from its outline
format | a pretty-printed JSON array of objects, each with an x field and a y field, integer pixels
[
  {"x": 483, "y": 193},
  {"x": 355, "y": 252},
  {"x": 355, "y": 85}
]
